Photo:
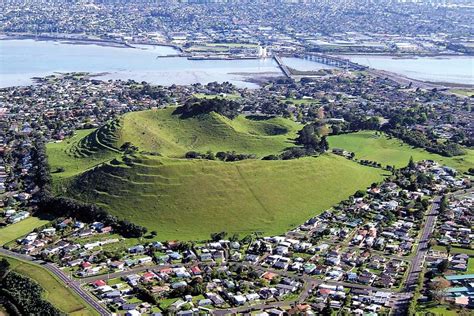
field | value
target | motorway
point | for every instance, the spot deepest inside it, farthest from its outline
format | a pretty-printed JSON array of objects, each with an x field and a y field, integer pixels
[{"x": 73, "y": 285}]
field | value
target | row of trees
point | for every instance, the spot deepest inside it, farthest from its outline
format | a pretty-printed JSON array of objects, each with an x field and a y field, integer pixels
[
  {"x": 221, "y": 155},
  {"x": 67, "y": 207}
]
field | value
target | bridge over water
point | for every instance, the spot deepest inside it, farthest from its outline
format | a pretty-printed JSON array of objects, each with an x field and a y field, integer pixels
[
  {"x": 320, "y": 58},
  {"x": 282, "y": 66},
  {"x": 332, "y": 61}
]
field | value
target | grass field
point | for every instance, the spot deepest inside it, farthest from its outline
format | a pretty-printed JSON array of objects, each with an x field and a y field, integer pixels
[
  {"x": 299, "y": 101},
  {"x": 74, "y": 156},
  {"x": 230, "y": 96},
  {"x": 463, "y": 92},
  {"x": 14, "y": 231},
  {"x": 54, "y": 291},
  {"x": 391, "y": 151},
  {"x": 437, "y": 310},
  {"x": 470, "y": 266},
  {"x": 454, "y": 250}
]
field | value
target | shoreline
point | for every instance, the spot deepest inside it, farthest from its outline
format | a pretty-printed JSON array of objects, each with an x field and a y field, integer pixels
[
  {"x": 66, "y": 40},
  {"x": 402, "y": 79},
  {"x": 84, "y": 41},
  {"x": 401, "y": 55}
]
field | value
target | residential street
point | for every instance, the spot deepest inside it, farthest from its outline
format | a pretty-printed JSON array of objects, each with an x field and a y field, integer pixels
[{"x": 420, "y": 252}]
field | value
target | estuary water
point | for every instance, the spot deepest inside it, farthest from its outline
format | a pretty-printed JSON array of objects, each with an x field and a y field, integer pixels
[
  {"x": 20, "y": 60},
  {"x": 452, "y": 69}
]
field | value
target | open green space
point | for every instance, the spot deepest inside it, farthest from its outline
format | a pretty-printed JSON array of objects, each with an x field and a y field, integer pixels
[
  {"x": 463, "y": 92},
  {"x": 437, "y": 310},
  {"x": 470, "y": 266},
  {"x": 164, "y": 192},
  {"x": 163, "y": 132},
  {"x": 14, "y": 231},
  {"x": 77, "y": 154},
  {"x": 229, "y": 96},
  {"x": 391, "y": 151},
  {"x": 454, "y": 250},
  {"x": 54, "y": 290}
]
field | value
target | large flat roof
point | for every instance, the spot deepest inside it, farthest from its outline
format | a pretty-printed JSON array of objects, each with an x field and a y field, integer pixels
[{"x": 459, "y": 277}]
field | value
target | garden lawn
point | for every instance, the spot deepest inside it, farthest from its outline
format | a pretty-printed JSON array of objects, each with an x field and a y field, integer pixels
[
  {"x": 454, "y": 250},
  {"x": 470, "y": 266}
]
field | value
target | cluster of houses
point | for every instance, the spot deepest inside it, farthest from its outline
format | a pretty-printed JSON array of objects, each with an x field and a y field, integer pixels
[
  {"x": 367, "y": 240},
  {"x": 192, "y": 284},
  {"x": 454, "y": 226},
  {"x": 360, "y": 302},
  {"x": 461, "y": 292},
  {"x": 16, "y": 182}
]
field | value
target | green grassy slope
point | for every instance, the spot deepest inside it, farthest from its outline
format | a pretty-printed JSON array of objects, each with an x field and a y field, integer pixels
[
  {"x": 161, "y": 131},
  {"x": 391, "y": 151},
  {"x": 77, "y": 154},
  {"x": 190, "y": 199}
]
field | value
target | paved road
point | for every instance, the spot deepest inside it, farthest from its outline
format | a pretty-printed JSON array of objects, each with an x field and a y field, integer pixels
[
  {"x": 421, "y": 250},
  {"x": 75, "y": 286},
  {"x": 402, "y": 300}
]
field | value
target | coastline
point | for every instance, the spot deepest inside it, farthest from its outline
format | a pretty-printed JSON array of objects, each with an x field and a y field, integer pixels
[
  {"x": 66, "y": 40},
  {"x": 402, "y": 79}
]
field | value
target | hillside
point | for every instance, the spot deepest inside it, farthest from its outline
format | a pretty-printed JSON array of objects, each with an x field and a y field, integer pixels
[
  {"x": 170, "y": 194},
  {"x": 392, "y": 151},
  {"x": 161, "y": 131},
  {"x": 190, "y": 199}
]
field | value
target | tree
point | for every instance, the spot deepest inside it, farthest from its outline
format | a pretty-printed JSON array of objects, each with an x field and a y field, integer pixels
[
  {"x": 443, "y": 266},
  {"x": 4, "y": 267},
  {"x": 323, "y": 144},
  {"x": 443, "y": 205},
  {"x": 448, "y": 249},
  {"x": 411, "y": 163},
  {"x": 438, "y": 287},
  {"x": 359, "y": 194},
  {"x": 218, "y": 236},
  {"x": 327, "y": 310}
]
